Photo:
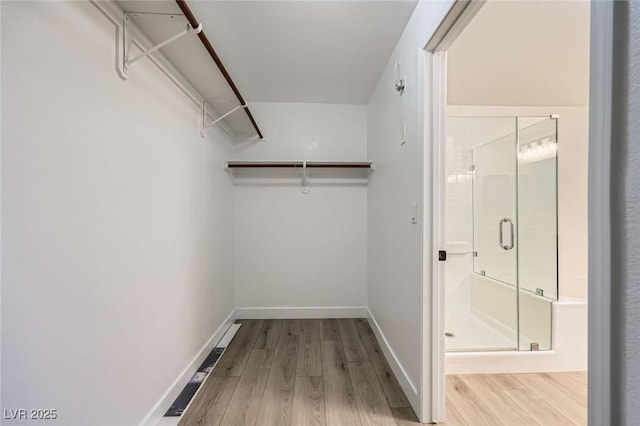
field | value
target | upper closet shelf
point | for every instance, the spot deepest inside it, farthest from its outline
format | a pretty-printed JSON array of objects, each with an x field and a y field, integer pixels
[
  {"x": 353, "y": 171},
  {"x": 300, "y": 164},
  {"x": 171, "y": 37}
]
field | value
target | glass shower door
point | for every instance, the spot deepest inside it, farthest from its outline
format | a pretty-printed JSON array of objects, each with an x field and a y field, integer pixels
[
  {"x": 495, "y": 204},
  {"x": 494, "y": 284}
]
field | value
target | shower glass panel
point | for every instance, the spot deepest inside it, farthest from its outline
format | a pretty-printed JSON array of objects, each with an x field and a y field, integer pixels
[
  {"x": 501, "y": 272},
  {"x": 537, "y": 206},
  {"x": 537, "y": 230},
  {"x": 494, "y": 204}
]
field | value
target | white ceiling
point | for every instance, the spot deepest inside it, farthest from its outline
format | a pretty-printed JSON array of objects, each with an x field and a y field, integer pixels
[
  {"x": 533, "y": 53},
  {"x": 304, "y": 51}
]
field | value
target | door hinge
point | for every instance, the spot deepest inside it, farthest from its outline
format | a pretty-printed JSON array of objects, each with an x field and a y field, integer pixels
[{"x": 442, "y": 255}]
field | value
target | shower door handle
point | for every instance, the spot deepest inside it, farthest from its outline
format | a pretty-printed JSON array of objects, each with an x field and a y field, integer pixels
[{"x": 511, "y": 241}]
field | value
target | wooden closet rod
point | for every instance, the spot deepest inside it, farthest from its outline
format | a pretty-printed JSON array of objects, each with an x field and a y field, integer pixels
[
  {"x": 300, "y": 164},
  {"x": 182, "y": 4}
]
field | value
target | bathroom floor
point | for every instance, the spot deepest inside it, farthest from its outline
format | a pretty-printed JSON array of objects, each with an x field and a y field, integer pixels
[{"x": 517, "y": 399}]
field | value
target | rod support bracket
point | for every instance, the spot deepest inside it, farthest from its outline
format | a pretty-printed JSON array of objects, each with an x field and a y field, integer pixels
[
  {"x": 126, "y": 41},
  {"x": 304, "y": 186},
  {"x": 205, "y": 124}
]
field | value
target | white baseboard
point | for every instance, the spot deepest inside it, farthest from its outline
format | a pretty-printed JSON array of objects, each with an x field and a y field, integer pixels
[
  {"x": 301, "y": 312},
  {"x": 398, "y": 370},
  {"x": 157, "y": 412}
]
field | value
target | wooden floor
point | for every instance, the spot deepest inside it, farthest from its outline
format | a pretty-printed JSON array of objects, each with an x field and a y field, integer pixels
[
  {"x": 298, "y": 373},
  {"x": 517, "y": 399},
  {"x": 333, "y": 372}
]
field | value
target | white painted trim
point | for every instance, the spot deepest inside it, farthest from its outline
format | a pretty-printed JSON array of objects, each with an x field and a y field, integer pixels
[
  {"x": 456, "y": 19},
  {"x": 600, "y": 110},
  {"x": 456, "y": 16},
  {"x": 157, "y": 412},
  {"x": 301, "y": 312},
  {"x": 438, "y": 410},
  {"x": 427, "y": 37},
  {"x": 398, "y": 370},
  {"x": 426, "y": 347}
]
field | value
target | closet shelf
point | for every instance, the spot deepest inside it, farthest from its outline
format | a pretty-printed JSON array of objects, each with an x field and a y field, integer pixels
[
  {"x": 169, "y": 34},
  {"x": 321, "y": 172},
  {"x": 197, "y": 26},
  {"x": 300, "y": 164}
]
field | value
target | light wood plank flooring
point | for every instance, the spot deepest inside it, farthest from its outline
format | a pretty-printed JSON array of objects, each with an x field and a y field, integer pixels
[
  {"x": 554, "y": 399},
  {"x": 332, "y": 372},
  {"x": 301, "y": 372}
]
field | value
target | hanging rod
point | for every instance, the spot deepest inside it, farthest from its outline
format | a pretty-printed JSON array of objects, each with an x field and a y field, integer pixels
[
  {"x": 300, "y": 164},
  {"x": 182, "y": 4}
]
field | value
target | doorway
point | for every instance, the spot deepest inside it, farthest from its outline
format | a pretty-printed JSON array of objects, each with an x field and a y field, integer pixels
[{"x": 518, "y": 284}]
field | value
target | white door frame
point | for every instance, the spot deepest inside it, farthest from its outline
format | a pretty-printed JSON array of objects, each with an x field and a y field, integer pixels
[
  {"x": 458, "y": 15},
  {"x": 434, "y": 112}
]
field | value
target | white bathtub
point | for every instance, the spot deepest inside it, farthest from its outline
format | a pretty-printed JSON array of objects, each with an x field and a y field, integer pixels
[{"x": 568, "y": 353}]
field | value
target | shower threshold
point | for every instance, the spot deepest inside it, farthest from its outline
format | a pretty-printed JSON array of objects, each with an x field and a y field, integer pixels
[{"x": 470, "y": 333}]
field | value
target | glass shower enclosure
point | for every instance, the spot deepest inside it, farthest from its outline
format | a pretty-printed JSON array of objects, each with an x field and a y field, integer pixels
[{"x": 513, "y": 190}]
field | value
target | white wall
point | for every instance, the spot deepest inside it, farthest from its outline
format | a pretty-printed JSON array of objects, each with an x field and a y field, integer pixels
[
  {"x": 395, "y": 251},
  {"x": 116, "y": 245},
  {"x": 294, "y": 249},
  {"x": 305, "y": 131},
  {"x": 523, "y": 53}
]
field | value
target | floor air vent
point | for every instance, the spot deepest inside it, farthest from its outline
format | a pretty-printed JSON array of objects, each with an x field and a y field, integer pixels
[{"x": 182, "y": 401}]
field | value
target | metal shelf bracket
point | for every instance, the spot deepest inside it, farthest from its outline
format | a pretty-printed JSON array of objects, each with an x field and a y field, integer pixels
[
  {"x": 126, "y": 41},
  {"x": 304, "y": 185},
  {"x": 205, "y": 125}
]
